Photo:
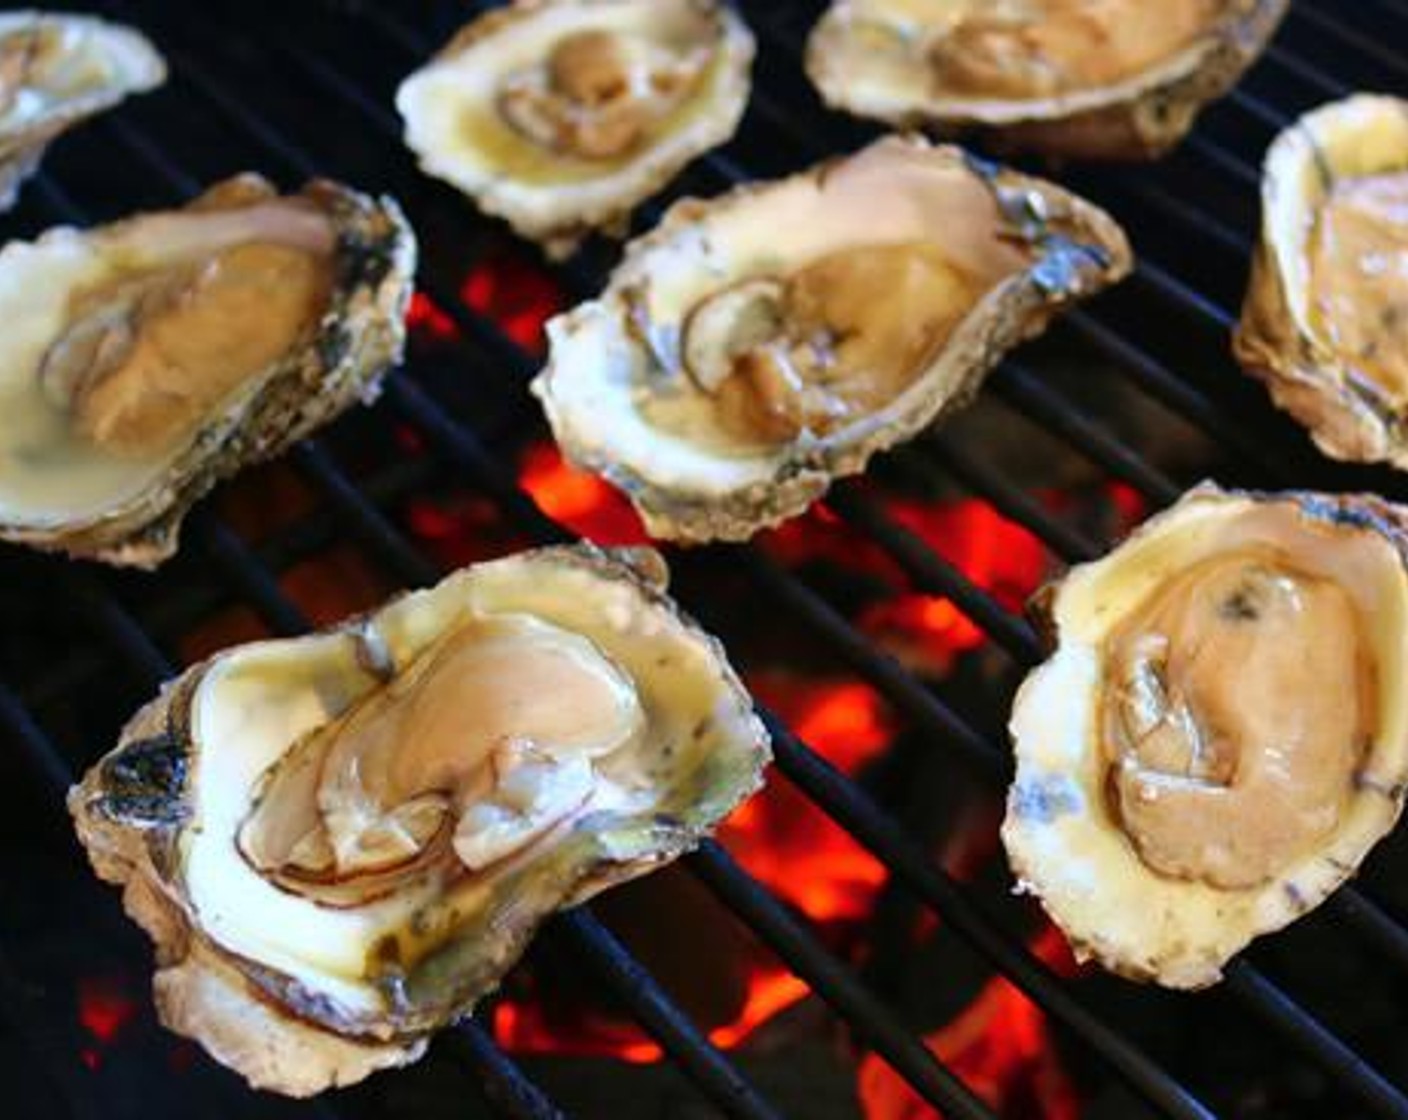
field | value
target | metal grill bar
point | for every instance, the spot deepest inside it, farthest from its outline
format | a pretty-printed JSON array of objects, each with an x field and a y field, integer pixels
[
  {"x": 830, "y": 790},
  {"x": 732, "y": 174},
  {"x": 1019, "y": 386},
  {"x": 935, "y": 575},
  {"x": 1134, "y": 465},
  {"x": 1364, "y": 44},
  {"x": 1147, "y": 1079},
  {"x": 711, "y": 1070},
  {"x": 503, "y": 1083},
  {"x": 515, "y": 1092},
  {"x": 282, "y": 620},
  {"x": 1163, "y": 385},
  {"x": 54, "y": 769},
  {"x": 982, "y": 479},
  {"x": 23, "y": 1010}
]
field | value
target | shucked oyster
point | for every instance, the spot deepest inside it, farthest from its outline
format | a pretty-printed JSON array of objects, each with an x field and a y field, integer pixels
[
  {"x": 756, "y": 346},
  {"x": 1104, "y": 79},
  {"x": 341, "y": 842},
  {"x": 1221, "y": 735},
  {"x": 145, "y": 360},
  {"x": 56, "y": 70},
  {"x": 561, "y": 115},
  {"x": 1325, "y": 323}
]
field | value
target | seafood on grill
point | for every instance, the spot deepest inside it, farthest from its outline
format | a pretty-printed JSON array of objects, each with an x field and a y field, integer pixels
[
  {"x": 1220, "y": 736},
  {"x": 560, "y": 116},
  {"x": 145, "y": 360},
  {"x": 1325, "y": 321},
  {"x": 340, "y": 842},
  {"x": 1097, "y": 79},
  {"x": 756, "y": 346},
  {"x": 57, "y": 70}
]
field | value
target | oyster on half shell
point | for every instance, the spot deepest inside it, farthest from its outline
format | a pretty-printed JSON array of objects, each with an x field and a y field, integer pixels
[
  {"x": 1099, "y": 79},
  {"x": 1325, "y": 321},
  {"x": 755, "y": 346},
  {"x": 145, "y": 360},
  {"x": 1221, "y": 735},
  {"x": 561, "y": 115},
  {"x": 55, "y": 71},
  {"x": 339, "y": 843}
]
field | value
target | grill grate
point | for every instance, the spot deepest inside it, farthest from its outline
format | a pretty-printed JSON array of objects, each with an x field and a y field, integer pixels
[{"x": 1198, "y": 210}]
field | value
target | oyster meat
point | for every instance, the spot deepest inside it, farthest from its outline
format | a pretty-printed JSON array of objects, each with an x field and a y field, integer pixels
[
  {"x": 1325, "y": 321},
  {"x": 57, "y": 70},
  {"x": 1098, "y": 79},
  {"x": 561, "y": 115},
  {"x": 756, "y": 346},
  {"x": 1220, "y": 736},
  {"x": 341, "y": 842},
  {"x": 147, "y": 359}
]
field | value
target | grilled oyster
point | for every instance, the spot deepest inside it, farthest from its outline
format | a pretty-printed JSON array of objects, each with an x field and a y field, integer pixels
[
  {"x": 1219, "y": 738},
  {"x": 1099, "y": 79},
  {"x": 340, "y": 843},
  {"x": 561, "y": 115},
  {"x": 1325, "y": 322},
  {"x": 57, "y": 70},
  {"x": 754, "y": 347},
  {"x": 147, "y": 359}
]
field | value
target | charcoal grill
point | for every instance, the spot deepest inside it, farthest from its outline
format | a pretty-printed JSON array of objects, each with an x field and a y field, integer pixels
[{"x": 303, "y": 89}]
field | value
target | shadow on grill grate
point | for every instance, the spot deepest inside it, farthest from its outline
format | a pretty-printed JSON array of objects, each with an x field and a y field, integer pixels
[{"x": 1118, "y": 410}]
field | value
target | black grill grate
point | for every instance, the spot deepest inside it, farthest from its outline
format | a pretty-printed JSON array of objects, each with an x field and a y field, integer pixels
[{"x": 307, "y": 91}]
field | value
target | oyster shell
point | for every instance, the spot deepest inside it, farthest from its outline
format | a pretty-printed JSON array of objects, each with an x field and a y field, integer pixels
[
  {"x": 756, "y": 346},
  {"x": 147, "y": 359},
  {"x": 341, "y": 842},
  {"x": 1220, "y": 736},
  {"x": 55, "y": 71},
  {"x": 561, "y": 115},
  {"x": 1325, "y": 321},
  {"x": 1098, "y": 79}
]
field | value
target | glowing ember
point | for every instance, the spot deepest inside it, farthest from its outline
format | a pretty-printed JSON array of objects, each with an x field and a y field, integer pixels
[
  {"x": 105, "y": 1009},
  {"x": 583, "y": 502},
  {"x": 848, "y": 722},
  {"x": 780, "y": 836},
  {"x": 782, "y": 839},
  {"x": 458, "y": 530},
  {"x": 769, "y": 994},
  {"x": 995, "y": 554},
  {"x": 999, "y": 1046},
  {"x": 515, "y": 294},
  {"x": 925, "y": 631},
  {"x": 523, "y": 1027},
  {"x": 427, "y": 322}
]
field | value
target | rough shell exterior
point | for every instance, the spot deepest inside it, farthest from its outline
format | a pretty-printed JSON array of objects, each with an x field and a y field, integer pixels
[
  {"x": 1060, "y": 841},
  {"x": 129, "y": 813},
  {"x": 22, "y": 143},
  {"x": 1141, "y": 118},
  {"x": 361, "y": 336},
  {"x": 135, "y": 812},
  {"x": 1086, "y": 253},
  {"x": 559, "y": 216},
  {"x": 1274, "y": 341}
]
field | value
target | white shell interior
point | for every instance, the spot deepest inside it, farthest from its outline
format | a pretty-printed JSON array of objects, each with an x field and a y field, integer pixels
[
  {"x": 451, "y": 119},
  {"x": 1075, "y": 856},
  {"x": 1362, "y": 135},
  {"x": 859, "y": 57},
  {"x": 253, "y": 703},
  {"x": 47, "y": 476},
  {"x": 600, "y": 368},
  {"x": 103, "y": 62}
]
